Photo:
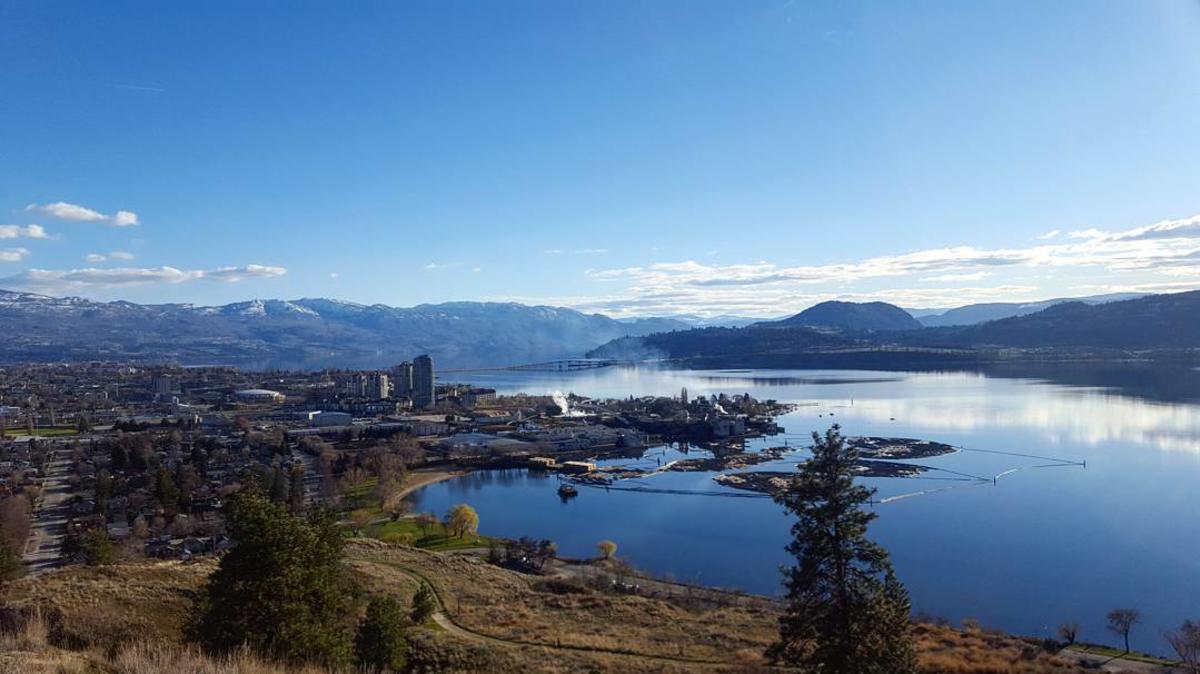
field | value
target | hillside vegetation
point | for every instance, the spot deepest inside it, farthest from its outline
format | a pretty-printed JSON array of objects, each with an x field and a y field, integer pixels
[{"x": 128, "y": 619}]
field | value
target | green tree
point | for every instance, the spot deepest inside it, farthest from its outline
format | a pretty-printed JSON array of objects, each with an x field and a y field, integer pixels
[
  {"x": 280, "y": 590},
  {"x": 462, "y": 520},
  {"x": 846, "y": 611},
  {"x": 424, "y": 604},
  {"x": 97, "y": 547},
  {"x": 296, "y": 490},
  {"x": 164, "y": 488},
  {"x": 379, "y": 644},
  {"x": 11, "y": 565}
]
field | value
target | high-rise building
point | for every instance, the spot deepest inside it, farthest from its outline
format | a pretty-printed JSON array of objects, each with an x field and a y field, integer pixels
[
  {"x": 423, "y": 394},
  {"x": 164, "y": 385},
  {"x": 402, "y": 379}
]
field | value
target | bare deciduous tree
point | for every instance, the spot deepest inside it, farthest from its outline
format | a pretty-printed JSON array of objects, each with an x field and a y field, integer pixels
[
  {"x": 1068, "y": 632},
  {"x": 1121, "y": 622},
  {"x": 1185, "y": 641}
]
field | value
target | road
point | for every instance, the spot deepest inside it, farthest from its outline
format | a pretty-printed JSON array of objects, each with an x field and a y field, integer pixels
[{"x": 43, "y": 551}]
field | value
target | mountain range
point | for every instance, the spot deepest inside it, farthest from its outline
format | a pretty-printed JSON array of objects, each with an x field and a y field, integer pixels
[
  {"x": 304, "y": 333},
  {"x": 316, "y": 333},
  {"x": 846, "y": 333},
  {"x": 972, "y": 314}
]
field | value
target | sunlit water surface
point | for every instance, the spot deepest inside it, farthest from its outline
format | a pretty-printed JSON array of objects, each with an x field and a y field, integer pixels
[{"x": 1050, "y": 540}]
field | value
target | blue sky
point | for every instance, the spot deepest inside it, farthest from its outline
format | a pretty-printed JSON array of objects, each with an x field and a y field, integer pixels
[{"x": 653, "y": 158}]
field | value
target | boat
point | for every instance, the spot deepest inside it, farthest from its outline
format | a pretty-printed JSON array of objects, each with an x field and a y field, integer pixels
[{"x": 567, "y": 491}]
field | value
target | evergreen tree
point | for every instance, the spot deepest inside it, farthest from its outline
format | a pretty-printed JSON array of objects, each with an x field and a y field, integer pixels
[
  {"x": 279, "y": 485},
  {"x": 846, "y": 611},
  {"x": 280, "y": 590},
  {"x": 424, "y": 605},
  {"x": 97, "y": 547},
  {"x": 379, "y": 644},
  {"x": 296, "y": 490},
  {"x": 11, "y": 565}
]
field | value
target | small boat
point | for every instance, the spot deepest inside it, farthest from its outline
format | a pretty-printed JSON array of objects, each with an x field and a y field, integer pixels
[{"x": 567, "y": 491}]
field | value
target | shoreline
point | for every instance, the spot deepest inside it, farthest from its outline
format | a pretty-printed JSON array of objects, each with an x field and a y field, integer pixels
[{"x": 419, "y": 479}]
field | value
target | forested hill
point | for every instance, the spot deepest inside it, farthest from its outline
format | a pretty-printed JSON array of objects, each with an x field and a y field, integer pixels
[
  {"x": 1155, "y": 322},
  {"x": 867, "y": 316},
  {"x": 1152, "y": 322}
]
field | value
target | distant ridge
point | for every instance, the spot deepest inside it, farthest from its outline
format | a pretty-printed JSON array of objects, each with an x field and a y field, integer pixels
[
  {"x": 303, "y": 333},
  {"x": 1151, "y": 325},
  {"x": 867, "y": 316},
  {"x": 972, "y": 314}
]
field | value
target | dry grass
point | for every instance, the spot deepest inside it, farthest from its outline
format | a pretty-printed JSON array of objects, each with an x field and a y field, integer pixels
[
  {"x": 126, "y": 620},
  {"x": 949, "y": 651},
  {"x": 512, "y": 606},
  {"x": 112, "y": 605}
]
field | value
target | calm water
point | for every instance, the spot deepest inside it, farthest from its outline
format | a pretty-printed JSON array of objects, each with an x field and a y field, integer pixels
[{"x": 1048, "y": 542}]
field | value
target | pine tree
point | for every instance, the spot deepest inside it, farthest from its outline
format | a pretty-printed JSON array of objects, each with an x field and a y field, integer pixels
[
  {"x": 846, "y": 611},
  {"x": 280, "y": 590},
  {"x": 379, "y": 644},
  {"x": 296, "y": 490},
  {"x": 424, "y": 605}
]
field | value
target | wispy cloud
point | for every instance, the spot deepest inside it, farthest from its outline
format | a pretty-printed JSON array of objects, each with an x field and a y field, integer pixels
[
  {"x": 13, "y": 254},
  {"x": 76, "y": 213},
  {"x": 954, "y": 278},
  {"x": 46, "y": 280},
  {"x": 23, "y": 232},
  {"x": 95, "y": 258},
  {"x": 767, "y": 288}
]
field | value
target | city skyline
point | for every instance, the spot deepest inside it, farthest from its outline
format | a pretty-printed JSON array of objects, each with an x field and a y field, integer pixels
[{"x": 725, "y": 158}]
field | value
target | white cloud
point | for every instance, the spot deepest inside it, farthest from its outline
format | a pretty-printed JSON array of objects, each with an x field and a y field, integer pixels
[
  {"x": 58, "y": 280},
  {"x": 94, "y": 258},
  {"x": 25, "y": 232},
  {"x": 1049, "y": 235},
  {"x": 766, "y": 288},
  {"x": 333, "y": 275},
  {"x": 971, "y": 276},
  {"x": 76, "y": 213},
  {"x": 124, "y": 219},
  {"x": 433, "y": 265},
  {"x": 235, "y": 274},
  {"x": 13, "y": 254},
  {"x": 476, "y": 270}
]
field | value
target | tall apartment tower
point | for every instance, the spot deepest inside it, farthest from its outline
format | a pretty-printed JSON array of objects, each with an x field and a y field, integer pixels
[
  {"x": 402, "y": 379},
  {"x": 423, "y": 394}
]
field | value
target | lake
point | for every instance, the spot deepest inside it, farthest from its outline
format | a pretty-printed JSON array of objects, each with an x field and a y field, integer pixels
[{"x": 1093, "y": 505}]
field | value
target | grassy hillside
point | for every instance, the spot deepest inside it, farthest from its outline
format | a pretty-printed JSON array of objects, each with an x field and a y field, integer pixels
[{"x": 127, "y": 619}]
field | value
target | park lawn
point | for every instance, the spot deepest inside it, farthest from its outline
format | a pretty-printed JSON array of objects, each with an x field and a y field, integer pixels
[
  {"x": 406, "y": 530},
  {"x": 50, "y": 432},
  {"x": 1110, "y": 652}
]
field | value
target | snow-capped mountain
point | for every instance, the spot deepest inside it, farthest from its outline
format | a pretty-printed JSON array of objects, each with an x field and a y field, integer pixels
[{"x": 310, "y": 332}]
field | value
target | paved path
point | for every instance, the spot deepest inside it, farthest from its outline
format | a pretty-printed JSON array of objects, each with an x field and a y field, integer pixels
[{"x": 44, "y": 549}]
